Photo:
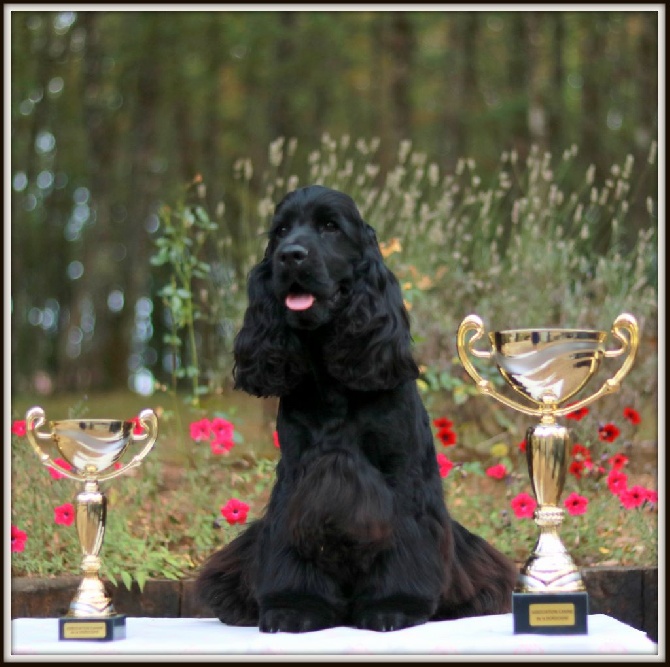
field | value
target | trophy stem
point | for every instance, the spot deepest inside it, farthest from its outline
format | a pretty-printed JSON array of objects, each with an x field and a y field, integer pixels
[
  {"x": 91, "y": 599},
  {"x": 549, "y": 568}
]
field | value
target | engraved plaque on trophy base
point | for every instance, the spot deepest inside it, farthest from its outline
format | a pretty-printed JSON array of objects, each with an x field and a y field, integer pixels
[
  {"x": 550, "y": 613},
  {"x": 95, "y": 629}
]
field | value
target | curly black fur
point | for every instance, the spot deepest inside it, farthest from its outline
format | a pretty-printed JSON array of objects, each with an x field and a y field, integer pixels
[{"x": 356, "y": 531}]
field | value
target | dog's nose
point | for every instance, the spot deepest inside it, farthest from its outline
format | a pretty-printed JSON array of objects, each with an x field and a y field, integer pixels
[{"x": 292, "y": 255}]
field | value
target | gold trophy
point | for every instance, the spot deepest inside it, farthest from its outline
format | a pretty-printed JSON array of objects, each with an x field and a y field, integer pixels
[
  {"x": 92, "y": 447},
  {"x": 548, "y": 367}
]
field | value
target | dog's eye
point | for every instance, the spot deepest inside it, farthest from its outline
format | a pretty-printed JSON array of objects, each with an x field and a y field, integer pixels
[
  {"x": 329, "y": 226},
  {"x": 281, "y": 231}
]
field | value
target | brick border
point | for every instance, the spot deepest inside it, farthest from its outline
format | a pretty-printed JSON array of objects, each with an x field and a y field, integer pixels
[{"x": 628, "y": 594}]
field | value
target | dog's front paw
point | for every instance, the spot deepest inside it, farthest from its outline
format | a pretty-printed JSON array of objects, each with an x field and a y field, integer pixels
[
  {"x": 283, "y": 619},
  {"x": 386, "y": 621}
]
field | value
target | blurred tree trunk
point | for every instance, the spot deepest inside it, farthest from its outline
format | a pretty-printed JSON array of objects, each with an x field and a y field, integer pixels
[
  {"x": 556, "y": 97},
  {"x": 379, "y": 118},
  {"x": 518, "y": 81},
  {"x": 82, "y": 363},
  {"x": 647, "y": 78},
  {"x": 535, "y": 88},
  {"x": 453, "y": 127},
  {"x": 32, "y": 280},
  {"x": 593, "y": 118},
  {"x": 402, "y": 48},
  {"x": 595, "y": 85},
  {"x": 281, "y": 108},
  {"x": 147, "y": 184},
  {"x": 212, "y": 161},
  {"x": 462, "y": 83}
]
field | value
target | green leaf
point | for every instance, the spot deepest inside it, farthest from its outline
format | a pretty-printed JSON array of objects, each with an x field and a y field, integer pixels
[
  {"x": 159, "y": 259},
  {"x": 127, "y": 579},
  {"x": 166, "y": 291},
  {"x": 474, "y": 467},
  {"x": 446, "y": 380},
  {"x": 141, "y": 578}
]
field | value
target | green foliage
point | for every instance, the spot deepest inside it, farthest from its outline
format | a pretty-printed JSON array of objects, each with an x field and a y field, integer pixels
[{"x": 183, "y": 233}]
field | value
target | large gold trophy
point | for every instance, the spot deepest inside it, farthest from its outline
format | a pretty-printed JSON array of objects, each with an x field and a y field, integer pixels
[
  {"x": 548, "y": 367},
  {"x": 92, "y": 447}
]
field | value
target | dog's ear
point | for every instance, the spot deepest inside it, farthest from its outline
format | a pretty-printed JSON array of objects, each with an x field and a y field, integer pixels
[
  {"x": 268, "y": 355},
  {"x": 371, "y": 347}
]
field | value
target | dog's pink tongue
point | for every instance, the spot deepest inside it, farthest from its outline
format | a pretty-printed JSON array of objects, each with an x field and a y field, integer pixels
[{"x": 299, "y": 301}]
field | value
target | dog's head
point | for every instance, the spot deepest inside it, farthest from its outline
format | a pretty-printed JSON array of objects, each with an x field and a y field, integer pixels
[
  {"x": 317, "y": 238},
  {"x": 323, "y": 279}
]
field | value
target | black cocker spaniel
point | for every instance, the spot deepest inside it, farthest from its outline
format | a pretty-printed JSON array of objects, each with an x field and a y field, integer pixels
[{"x": 356, "y": 531}]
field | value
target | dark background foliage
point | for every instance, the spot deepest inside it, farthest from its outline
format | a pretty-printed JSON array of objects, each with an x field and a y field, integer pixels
[{"x": 112, "y": 112}]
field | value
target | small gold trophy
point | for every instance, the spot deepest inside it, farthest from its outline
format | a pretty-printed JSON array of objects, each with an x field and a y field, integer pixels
[
  {"x": 548, "y": 367},
  {"x": 92, "y": 447}
]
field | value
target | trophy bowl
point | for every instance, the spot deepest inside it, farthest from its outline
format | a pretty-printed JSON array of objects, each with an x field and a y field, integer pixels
[
  {"x": 548, "y": 367},
  {"x": 94, "y": 449},
  {"x": 91, "y": 446}
]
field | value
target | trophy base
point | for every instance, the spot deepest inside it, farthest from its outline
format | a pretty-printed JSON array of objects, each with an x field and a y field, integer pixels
[
  {"x": 550, "y": 613},
  {"x": 92, "y": 629}
]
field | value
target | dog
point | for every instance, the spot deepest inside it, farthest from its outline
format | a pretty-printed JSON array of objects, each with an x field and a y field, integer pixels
[{"x": 356, "y": 531}]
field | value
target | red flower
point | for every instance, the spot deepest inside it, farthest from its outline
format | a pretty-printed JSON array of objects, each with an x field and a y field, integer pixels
[
  {"x": 608, "y": 432},
  {"x": 576, "y": 468},
  {"x": 580, "y": 452},
  {"x": 138, "y": 429},
  {"x": 221, "y": 447},
  {"x": 18, "y": 539},
  {"x": 201, "y": 430},
  {"x": 633, "y": 497},
  {"x": 222, "y": 429},
  {"x": 618, "y": 461},
  {"x": 652, "y": 496},
  {"x": 57, "y": 474},
  {"x": 497, "y": 471},
  {"x": 523, "y": 506},
  {"x": 444, "y": 464},
  {"x": 442, "y": 422},
  {"x": 64, "y": 515},
  {"x": 19, "y": 428},
  {"x": 235, "y": 511},
  {"x": 576, "y": 504},
  {"x": 617, "y": 481},
  {"x": 633, "y": 416},
  {"x": 447, "y": 437},
  {"x": 577, "y": 415},
  {"x": 275, "y": 439},
  {"x": 522, "y": 445}
]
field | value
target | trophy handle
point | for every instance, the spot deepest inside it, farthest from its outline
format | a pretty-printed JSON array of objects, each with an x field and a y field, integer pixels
[
  {"x": 465, "y": 346},
  {"x": 34, "y": 419},
  {"x": 624, "y": 323},
  {"x": 149, "y": 420}
]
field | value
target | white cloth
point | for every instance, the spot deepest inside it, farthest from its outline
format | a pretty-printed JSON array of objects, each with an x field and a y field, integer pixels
[{"x": 202, "y": 637}]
